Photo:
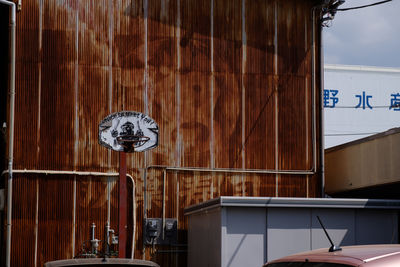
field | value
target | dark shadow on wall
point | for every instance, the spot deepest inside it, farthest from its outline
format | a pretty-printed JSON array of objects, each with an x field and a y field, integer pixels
[{"x": 290, "y": 56}]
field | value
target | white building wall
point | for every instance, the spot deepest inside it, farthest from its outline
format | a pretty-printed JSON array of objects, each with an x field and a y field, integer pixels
[{"x": 359, "y": 101}]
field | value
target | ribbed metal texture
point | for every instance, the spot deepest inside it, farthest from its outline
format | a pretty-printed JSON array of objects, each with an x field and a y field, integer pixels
[{"x": 228, "y": 82}]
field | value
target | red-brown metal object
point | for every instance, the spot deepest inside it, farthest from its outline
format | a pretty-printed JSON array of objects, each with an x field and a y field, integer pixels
[{"x": 122, "y": 206}]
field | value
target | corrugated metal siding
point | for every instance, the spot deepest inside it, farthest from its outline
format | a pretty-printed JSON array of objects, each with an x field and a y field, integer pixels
[
  {"x": 55, "y": 212},
  {"x": 364, "y": 166},
  {"x": 228, "y": 82},
  {"x": 24, "y": 217}
]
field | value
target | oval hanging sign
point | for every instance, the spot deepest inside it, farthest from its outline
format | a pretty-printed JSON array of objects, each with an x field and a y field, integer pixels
[{"x": 128, "y": 131}]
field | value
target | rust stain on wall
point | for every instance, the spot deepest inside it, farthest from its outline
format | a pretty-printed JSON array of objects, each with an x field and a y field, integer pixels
[{"x": 228, "y": 82}]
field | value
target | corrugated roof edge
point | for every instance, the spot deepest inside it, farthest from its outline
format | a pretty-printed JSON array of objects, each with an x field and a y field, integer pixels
[
  {"x": 273, "y": 202},
  {"x": 363, "y": 140}
]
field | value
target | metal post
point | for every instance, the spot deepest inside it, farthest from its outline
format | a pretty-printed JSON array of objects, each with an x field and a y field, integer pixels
[
  {"x": 122, "y": 228},
  {"x": 106, "y": 244},
  {"x": 12, "y": 26},
  {"x": 138, "y": 133}
]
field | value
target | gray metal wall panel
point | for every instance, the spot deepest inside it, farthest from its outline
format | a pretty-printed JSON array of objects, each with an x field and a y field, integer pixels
[
  {"x": 340, "y": 224},
  {"x": 288, "y": 231},
  {"x": 385, "y": 220},
  {"x": 250, "y": 235},
  {"x": 244, "y": 235}
]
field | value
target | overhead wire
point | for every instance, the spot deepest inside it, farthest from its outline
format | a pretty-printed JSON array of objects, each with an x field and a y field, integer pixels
[
  {"x": 330, "y": 12},
  {"x": 358, "y": 7}
]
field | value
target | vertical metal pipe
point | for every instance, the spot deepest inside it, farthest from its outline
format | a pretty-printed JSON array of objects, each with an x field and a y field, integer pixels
[
  {"x": 313, "y": 90},
  {"x": 74, "y": 219},
  {"x": 144, "y": 209},
  {"x": 212, "y": 81},
  {"x": 276, "y": 96},
  {"x": 106, "y": 244},
  {"x": 11, "y": 127},
  {"x": 145, "y": 99},
  {"x": 306, "y": 110},
  {"x": 109, "y": 199},
  {"x": 146, "y": 63},
  {"x": 76, "y": 123},
  {"x": 321, "y": 114},
  {"x": 163, "y": 204},
  {"x": 244, "y": 58},
  {"x": 122, "y": 229},
  {"x": 178, "y": 87},
  {"x": 36, "y": 221},
  {"x": 93, "y": 231},
  {"x": 134, "y": 217}
]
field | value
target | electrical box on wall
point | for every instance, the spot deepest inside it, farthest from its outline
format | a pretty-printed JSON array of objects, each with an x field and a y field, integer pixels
[{"x": 159, "y": 232}]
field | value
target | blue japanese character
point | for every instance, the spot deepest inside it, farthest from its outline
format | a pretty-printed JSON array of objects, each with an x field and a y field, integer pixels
[
  {"x": 395, "y": 102},
  {"x": 363, "y": 101},
  {"x": 330, "y": 98}
]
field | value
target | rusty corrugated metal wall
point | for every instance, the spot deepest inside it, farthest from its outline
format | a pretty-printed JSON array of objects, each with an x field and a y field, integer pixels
[{"x": 229, "y": 83}]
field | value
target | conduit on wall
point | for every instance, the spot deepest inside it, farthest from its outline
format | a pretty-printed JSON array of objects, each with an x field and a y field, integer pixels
[
  {"x": 82, "y": 173},
  {"x": 11, "y": 125}
]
